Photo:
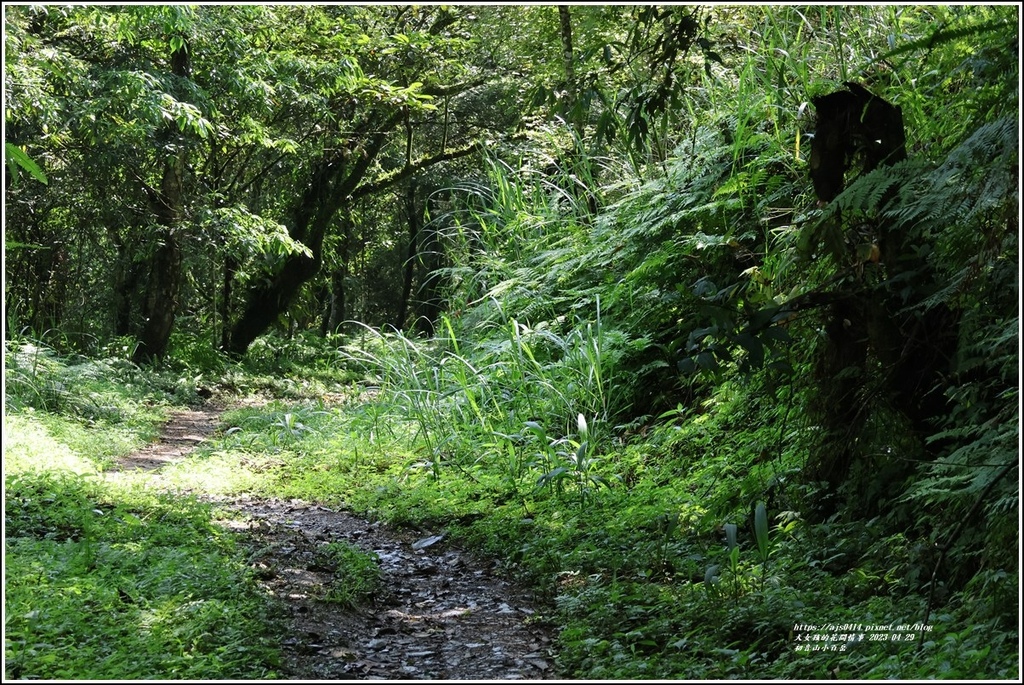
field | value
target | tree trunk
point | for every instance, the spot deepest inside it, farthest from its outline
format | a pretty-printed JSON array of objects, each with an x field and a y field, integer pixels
[
  {"x": 580, "y": 169},
  {"x": 334, "y": 314},
  {"x": 126, "y": 280},
  {"x": 337, "y": 311},
  {"x": 569, "y": 66},
  {"x": 230, "y": 267},
  {"x": 161, "y": 302},
  {"x": 269, "y": 301},
  {"x": 331, "y": 185},
  {"x": 431, "y": 305},
  {"x": 413, "y": 218}
]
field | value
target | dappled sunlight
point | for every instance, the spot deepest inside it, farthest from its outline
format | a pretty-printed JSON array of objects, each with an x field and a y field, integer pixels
[
  {"x": 217, "y": 473},
  {"x": 29, "y": 447}
]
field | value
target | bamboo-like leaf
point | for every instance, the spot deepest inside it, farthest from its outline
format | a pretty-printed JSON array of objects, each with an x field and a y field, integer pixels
[
  {"x": 581, "y": 454},
  {"x": 16, "y": 157},
  {"x": 761, "y": 530},
  {"x": 711, "y": 575},
  {"x": 938, "y": 38},
  {"x": 730, "y": 535}
]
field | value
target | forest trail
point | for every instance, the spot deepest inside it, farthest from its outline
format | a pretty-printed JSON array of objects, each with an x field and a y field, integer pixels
[{"x": 441, "y": 614}]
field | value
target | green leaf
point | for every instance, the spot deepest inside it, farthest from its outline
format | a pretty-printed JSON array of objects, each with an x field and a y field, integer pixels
[
  {"x": 730, "y": 535},
  {"x": 553, "y": 475},
  {"x": 581, "y": 452},
  {"x": 711, "y": 575},
  {"x": 761, "y": 530},
  {"x": 17, "y": 156},
  {"x": 18, "y": 245},
  {"x": 939, "y": 37}
]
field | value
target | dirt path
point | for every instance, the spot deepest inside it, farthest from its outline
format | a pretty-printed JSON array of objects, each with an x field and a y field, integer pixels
[
  {"x": 179, "y": 436},
  {"x": 442, "y": 614}
]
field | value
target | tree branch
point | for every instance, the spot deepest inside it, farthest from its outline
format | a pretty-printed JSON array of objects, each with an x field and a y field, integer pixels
[
  {"x": 452, "y": 89},
  {"x": 419, "y": 165}
]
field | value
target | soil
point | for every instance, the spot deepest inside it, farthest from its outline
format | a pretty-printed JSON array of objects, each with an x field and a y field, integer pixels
[{"x": 442, "y": 613}]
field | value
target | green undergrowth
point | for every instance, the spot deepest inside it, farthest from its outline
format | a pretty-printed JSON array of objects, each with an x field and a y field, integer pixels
[
  {"x": 107, "y": 582},
  {"x": 107, "y": 579},
  {"x": 663, "y": 573},
  {"x": 670, "y": 569},
  {"x": 678, "y": 546},
  {"x": 357, "y": 577},
  {"x": 294, "y": 369}
]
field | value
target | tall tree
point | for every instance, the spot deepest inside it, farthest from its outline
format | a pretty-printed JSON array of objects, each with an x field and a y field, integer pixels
[
  {"x": 160, "y": 304},
  {"x": 370, "y": 131},
  {"x": 115, "y": 125}
]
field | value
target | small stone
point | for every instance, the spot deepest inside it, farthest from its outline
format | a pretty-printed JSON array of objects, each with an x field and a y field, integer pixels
[{"x": 427, "y": 542}]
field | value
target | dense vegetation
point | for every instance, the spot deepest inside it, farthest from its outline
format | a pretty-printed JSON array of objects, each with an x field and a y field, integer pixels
[{"x": 703, "y": 320}]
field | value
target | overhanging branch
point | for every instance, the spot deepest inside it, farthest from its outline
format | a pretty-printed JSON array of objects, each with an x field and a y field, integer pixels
[
  {"x": 415, "y": 167},
  {"x": 453, "y": 89}
]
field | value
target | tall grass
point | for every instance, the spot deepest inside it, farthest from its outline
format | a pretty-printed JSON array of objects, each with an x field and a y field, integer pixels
[{"x": 510, "y": 397}]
